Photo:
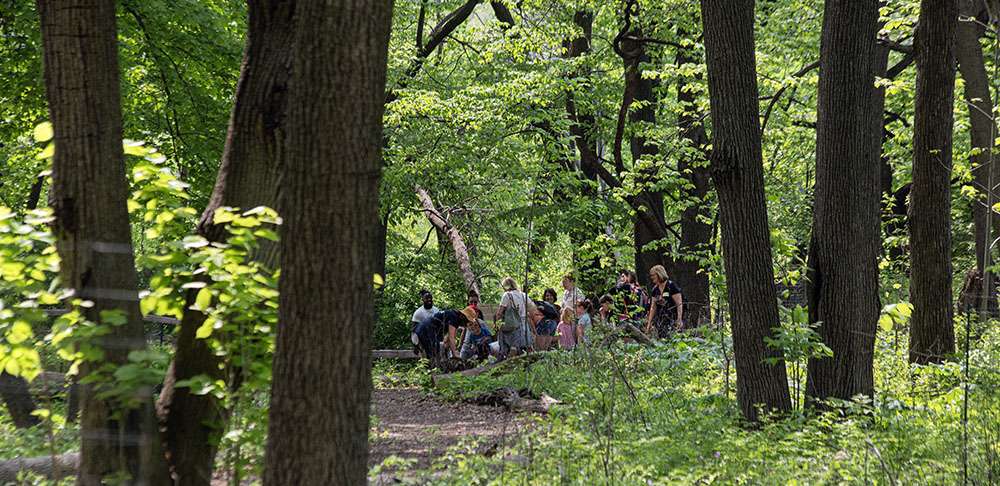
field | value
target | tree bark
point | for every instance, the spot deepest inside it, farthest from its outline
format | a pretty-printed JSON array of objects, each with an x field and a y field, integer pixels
[
  {"x": 454, "y": 237},
  {"x": 696, "y": 231},
  {"x": 640, "y": 89},
  {"x": 845, "y": 235},
  {"x": 932, "y": 330},
  {"x": 248, "y": 177},
  {"x": 16, "y": 396},
  {"x": 738, "y": 172},
  {"x": 982, "y": 131},
  {"x": 588, "y": 267},
  {"x": 93, "y": 237},
  {"x": 321, "y": 393}
]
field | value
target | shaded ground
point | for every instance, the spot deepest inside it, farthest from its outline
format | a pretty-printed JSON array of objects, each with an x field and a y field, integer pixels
[{"x": 413, "y": 426}]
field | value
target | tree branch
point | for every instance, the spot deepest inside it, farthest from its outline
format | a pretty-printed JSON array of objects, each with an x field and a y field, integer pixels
[{"x": 777, "y": 94}]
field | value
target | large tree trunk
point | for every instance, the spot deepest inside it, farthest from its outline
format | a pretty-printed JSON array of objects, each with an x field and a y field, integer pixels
[
  {"x": 982, "y": 131},
  {"x": 93, "y": 237},
  {"x": 16, "y": 396},
  {"x": 453, "y": 236},
  {"x": 844, "y": 245},
  {"x": 248, "y": 176},
  {"x": 321, "y": 392},
  {"x": 738, "y": 171},
  {"x": 696, "y": 231},
  {"x": 932, "y": 331}
]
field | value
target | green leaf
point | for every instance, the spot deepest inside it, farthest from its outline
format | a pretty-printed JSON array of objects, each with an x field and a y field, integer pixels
[
  {"x": 205, "y": 330},
  {"x": 203, "y": 300},
  {"x": 43, "y": 132}
]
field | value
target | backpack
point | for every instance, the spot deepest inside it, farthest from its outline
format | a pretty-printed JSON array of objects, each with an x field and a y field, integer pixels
[
  {"x": 511, "y": 317},
  {"x": 548, "y": 310}
]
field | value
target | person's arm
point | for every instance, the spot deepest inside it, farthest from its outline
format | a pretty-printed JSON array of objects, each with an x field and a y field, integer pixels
[
  {"x": 649, "y": 320},
  {"x": 452, "y": 330},
  {"x": 680, "y": 309}
]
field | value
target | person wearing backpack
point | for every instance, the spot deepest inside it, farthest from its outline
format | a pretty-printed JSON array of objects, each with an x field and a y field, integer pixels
[
  {"x": 632, "y": 300},
  {"x": 512, "y": 328},
  {"x": 667, "y": 311},
  {"x": 545, "y": 320}
]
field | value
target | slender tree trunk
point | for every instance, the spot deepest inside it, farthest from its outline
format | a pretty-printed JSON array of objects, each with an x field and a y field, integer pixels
[
  {"x": 453, "y": 238},
  {"x": 321, "y": 393},
  {"x": 248, "y": 177},
  {"x": 932, "y": 331},
  {"x": 982, "y": 130},
  {"x": 641, "y": 119},
  {"x": 844, "y": 245},
  {"x": 738, "y": 171},
  {"x": 588, "y": 267},
  {"x": 93, "y": 237},
  {"x": 696, "y": 230}
]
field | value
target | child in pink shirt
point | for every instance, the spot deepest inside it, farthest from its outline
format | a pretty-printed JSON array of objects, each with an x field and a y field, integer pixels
[{"x": 566, "y": 330}]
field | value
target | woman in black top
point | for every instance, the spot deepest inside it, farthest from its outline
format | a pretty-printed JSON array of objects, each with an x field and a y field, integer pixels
[{"x": 666, "y": 312}]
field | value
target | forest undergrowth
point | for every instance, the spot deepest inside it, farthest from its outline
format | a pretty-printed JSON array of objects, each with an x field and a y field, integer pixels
[{"x": 668, "y": 415}]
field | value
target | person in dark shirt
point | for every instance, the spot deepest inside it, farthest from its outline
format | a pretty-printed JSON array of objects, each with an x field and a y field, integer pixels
[
  {"x": 666, "y": 311},
  {"x": 632, "y": 301},
  {"x": 443, "y": 325}
]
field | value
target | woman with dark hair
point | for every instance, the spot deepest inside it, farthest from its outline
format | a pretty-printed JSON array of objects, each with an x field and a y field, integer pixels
[{"x": 550, "y": 296}]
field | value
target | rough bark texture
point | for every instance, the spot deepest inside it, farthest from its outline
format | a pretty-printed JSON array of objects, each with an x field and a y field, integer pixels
[
  {"x": 932, "y": 331},
  {"x": 696, "y": 231},
  {"x": 590, "y": 276},
  {"x": 248, "y": 177},
  {"x": 454, "y": 237},
  {"x": 16, "y": 396},
  {"x": 982, "y": 130},
  {"x": 318, "y": 429},
  {"x": 845, "y": 235},
  {"x": 640, "y": 118},
  {"x": 738, "y": 172},
  {"x": 94, "y": 241}
]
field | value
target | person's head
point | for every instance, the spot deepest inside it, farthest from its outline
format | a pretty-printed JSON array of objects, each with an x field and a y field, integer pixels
[
  {"x": 427, "y": 298},
  {"x": 583, "y": 306},
  {"x": 475, "y": 327},
  {"x": 508, "y": 284},
  {"x": 627, "y": 276},
  {"x": 472, "y": 298},
  {"x": 606, "y": 301},
  {"x": 549, "y": 295},
  {"x": 658, "y": 274},
  {"x": 568, "y": 281},
  {"x": 470, "y": 313},
  {"x": 566, "y": 315}
]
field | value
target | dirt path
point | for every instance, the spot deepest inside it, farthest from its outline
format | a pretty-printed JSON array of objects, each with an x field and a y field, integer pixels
[{"x": 413, "y": 426}]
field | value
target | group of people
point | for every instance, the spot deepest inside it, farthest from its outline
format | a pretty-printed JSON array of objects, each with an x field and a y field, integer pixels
[{"x": 522, "y": 324}]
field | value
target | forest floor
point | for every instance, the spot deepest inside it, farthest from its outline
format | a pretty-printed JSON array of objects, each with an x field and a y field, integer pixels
[{"x": 417, "y": 427}]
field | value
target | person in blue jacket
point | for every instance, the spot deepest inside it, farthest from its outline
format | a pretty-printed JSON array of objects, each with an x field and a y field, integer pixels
[{"x": 442, "y": 326}]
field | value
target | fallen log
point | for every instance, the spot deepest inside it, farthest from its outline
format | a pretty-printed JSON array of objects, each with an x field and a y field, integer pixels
[
  {"x": 51, "y": 467},
  {"x": 501, "y": 366},
  {"x": 636, "y": 334},
  {"x": 522, "y": 400},
  {"x": 394, "y": 354}
]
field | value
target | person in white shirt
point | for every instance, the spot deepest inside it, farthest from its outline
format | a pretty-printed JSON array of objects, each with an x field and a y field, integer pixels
[
  {"x": 515, "y": 340},
  {"x": 571, "y": 293},
  {"x": 423, "y": 312}
]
